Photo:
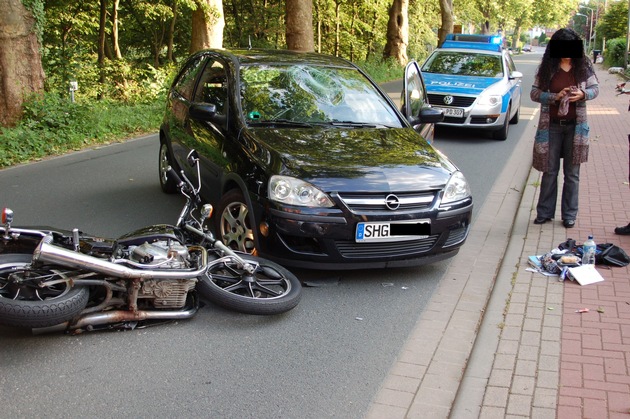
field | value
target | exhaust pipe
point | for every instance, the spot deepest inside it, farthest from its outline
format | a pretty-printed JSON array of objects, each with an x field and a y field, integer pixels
[
  {"x": 89, "y": 321},
  {"x": 50, "y": 253}
]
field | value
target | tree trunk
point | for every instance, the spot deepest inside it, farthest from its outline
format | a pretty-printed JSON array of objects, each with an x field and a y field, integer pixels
[
  {"x": 299, "y": 26},
  {"x": 397, "y": 32},
  {"x": 117, "y": 54},
  {"x": 101, "y": 41},
  {"x": 446, "y": 10},
  {"x": 21, "y": 70},
  {"x": 207, "y": 25},
  {"x": 171, "y": 34}
]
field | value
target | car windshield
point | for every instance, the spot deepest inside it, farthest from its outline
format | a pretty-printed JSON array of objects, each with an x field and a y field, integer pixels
[
  {"x": 312, "y": 94},
  {"x": 464, "y": 64}
]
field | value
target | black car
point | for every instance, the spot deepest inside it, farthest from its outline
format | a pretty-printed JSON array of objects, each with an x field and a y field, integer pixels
[{"x": 308, "y": 163}]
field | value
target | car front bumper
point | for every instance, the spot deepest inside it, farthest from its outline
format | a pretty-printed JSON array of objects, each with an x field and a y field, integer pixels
[{"x": 327, "y": 240}]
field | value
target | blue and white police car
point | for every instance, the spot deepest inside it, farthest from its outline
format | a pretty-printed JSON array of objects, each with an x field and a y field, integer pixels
[{"x": 474, "y": 81}]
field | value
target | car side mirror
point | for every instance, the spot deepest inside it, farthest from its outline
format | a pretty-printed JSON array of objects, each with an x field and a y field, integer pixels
[
  {"x": 516, "y": 75},
  {"x": 202, "y": 111},
  {"x": 428, "y": 116}
]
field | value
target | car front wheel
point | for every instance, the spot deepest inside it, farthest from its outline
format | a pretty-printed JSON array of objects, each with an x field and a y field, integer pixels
[{"x": 233, "y": 225}]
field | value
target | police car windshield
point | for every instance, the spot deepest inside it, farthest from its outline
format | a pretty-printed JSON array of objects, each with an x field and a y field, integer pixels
[{"x": 464, "y": 64}]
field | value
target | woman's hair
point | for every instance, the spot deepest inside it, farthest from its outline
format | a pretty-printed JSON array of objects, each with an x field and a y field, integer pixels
[{"x": 581, "y": 66}]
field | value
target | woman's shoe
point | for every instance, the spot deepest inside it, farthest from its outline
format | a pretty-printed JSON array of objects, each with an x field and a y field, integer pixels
[
  {"x": 568, "y": 223},
  {"x": 541, "y": 220},
  {"x": 623, "y": 231}
]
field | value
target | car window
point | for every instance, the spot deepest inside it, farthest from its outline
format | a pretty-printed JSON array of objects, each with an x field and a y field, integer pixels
[
  {"x": 185, "y": 81},
  {"x": 510, "y": 64},
  {"x": 212, "y": 87},
  {"x": 464, "y": 64},
  {"x": 313, "y": 94},
  {"x": 415, "y": 91}
]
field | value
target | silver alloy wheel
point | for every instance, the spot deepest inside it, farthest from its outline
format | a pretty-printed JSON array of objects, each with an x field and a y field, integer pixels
[
  {"x": 164, "y": 163},
  {"x": 235, "y": 230}
]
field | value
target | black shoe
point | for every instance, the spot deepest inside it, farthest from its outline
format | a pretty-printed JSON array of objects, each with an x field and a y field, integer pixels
[
  {"x": 623, "y": 231},
  {"x": 541, "y": 220},
  {"x": 568, "y": 223}
]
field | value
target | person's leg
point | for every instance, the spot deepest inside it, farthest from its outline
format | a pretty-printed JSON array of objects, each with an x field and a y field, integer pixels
[
  {"x": 571, "y": 186},
  {"x": 546, "y": 207}
]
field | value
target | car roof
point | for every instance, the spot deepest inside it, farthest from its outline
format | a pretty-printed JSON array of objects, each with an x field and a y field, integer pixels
[{"x": 267, "y": 56}]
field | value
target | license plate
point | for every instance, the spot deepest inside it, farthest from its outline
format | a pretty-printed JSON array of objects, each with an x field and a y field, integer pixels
[
  {"x": 453, "y": 112},
  {"x": 392, "y": 231}
]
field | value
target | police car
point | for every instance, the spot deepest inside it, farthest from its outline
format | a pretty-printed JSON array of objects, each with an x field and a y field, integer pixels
[{"x": 474, "y": 81}]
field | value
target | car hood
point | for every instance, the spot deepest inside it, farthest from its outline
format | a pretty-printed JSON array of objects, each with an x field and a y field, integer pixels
[
  {"x": 465, "y": 85},
  {"x": 355, "y": 159}
]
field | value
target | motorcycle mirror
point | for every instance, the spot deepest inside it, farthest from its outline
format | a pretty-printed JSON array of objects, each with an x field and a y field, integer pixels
[
  {"x": 206, "y": 211},
  {"x": 192, "y": 157}
]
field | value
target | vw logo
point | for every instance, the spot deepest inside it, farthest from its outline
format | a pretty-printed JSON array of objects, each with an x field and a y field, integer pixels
[
  {"x": 392, "y": 202},
  {"x": 448, "y": 100}
]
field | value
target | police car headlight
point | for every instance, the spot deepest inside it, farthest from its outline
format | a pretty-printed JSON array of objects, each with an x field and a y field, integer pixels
[
  {"x": 292, "y": 191},
  {"x": 456, "y": 189},
  {"x": 489, "y": 100}
]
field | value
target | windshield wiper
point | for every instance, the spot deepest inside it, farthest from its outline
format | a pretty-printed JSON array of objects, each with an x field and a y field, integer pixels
[
  {"x": 283, "y": 122},
  {"x": 355, "y": 124}
]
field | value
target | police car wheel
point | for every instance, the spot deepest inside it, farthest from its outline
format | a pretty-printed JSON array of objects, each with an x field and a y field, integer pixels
[{"x": 502, "y": 133}]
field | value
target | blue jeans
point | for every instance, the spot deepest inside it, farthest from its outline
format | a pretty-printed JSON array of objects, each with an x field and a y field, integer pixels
[{"x": 560, "y": 147}]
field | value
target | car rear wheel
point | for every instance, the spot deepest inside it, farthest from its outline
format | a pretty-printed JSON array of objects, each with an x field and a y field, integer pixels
[
  {"x": 233, "y": 225},
  {"x": 165, "y": 161}
]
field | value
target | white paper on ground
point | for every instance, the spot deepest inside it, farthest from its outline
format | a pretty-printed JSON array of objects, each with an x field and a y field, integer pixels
[{"x": 585, "y": 274}]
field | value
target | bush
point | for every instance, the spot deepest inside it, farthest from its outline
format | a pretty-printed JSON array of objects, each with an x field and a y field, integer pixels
[
  {"x": 615, "y": 50},
  {"x": 53, "y": 125}
]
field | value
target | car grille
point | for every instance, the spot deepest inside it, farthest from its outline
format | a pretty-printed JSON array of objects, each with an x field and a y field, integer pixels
[
  {"x": 362, "y": 202},
  {"x": 458, "y": 101},
  {"x": 351, "y": 249},
  {"x": 452, "y": 120}
]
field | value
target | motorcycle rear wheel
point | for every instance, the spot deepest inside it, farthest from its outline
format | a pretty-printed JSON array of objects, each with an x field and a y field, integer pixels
[
  {"x": 271, "y": 289},
  {"x": 24, "y": 304}
]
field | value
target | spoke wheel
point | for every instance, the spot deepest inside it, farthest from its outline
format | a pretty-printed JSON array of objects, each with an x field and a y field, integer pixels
[
  {"x": 270, "y": 289},
  {"x": 25, "y": 303}
]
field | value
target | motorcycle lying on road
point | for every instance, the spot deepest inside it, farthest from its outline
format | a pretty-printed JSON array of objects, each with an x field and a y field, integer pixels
[{"x": 59, "y": 280}]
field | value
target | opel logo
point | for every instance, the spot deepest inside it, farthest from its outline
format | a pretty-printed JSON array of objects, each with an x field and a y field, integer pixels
[
  {"x": 392, "y": 202},
  {"x": 448, "y": 100}
]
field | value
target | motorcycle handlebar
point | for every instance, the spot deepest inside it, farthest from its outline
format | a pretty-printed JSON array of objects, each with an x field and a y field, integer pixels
[{"x": 173, "y": 174}]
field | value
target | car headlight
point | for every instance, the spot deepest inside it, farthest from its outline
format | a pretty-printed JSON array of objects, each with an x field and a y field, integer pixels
[
  {"x": 489, "y": 100},
  {"x": 292, "y": 191},
  {"x": 456, "y": 189}
]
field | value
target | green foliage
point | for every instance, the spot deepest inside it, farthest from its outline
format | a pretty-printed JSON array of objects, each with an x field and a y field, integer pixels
[
  {"x": 615, "y": 50},
  {"x": 614, "y": 24},
  {"x": 53, "y": 125}
]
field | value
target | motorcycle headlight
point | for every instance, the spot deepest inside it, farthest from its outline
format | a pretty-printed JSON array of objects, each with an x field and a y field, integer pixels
[
  {"x": 489, "y": 100},
  {"x": 292, "y": 191},
  {"x": 456, "y": 189}
]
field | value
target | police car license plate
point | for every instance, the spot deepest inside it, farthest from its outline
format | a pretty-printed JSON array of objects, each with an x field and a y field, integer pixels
[
  {"x": 392, "y": 231},
  {"x": 453, "y": 112}
]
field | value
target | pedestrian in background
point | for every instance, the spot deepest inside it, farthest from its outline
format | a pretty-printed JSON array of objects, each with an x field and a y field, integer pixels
[{"x": 565, "y": 80}]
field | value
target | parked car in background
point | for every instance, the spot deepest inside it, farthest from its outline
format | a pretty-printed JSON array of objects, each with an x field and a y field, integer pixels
[
  {"x": 473, "y": 79},
  {"x": 307, "y": 162},
  {"x": 527, "y": 48}
]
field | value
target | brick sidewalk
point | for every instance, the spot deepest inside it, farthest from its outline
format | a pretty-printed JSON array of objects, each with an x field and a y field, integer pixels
[{"x": 552, "y": 362}]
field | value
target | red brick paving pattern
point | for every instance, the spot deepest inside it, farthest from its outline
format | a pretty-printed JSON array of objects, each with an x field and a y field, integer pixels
[{"x": 595, "y": 349}]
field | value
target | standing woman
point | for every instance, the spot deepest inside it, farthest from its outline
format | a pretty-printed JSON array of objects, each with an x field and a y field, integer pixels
[{"x": 565, "y": 77}]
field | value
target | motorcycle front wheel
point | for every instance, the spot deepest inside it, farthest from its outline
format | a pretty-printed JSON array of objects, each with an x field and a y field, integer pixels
[
  {"x": 271, "y": 289},
  {"x": 25, "y": 302}
]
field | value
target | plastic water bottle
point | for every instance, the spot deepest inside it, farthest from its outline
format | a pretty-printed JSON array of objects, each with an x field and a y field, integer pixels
[{"x": 588, "y": 251}]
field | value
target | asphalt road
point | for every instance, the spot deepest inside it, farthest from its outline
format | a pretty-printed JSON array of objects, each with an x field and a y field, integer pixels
[{"x": 326, "y": 358}]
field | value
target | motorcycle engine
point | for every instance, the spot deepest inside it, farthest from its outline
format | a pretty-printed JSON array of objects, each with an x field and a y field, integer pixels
[
  {"x": 163, "y": 255},
  {"x": 160, "y": 255}
]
